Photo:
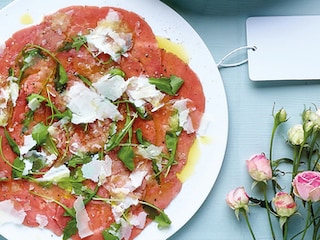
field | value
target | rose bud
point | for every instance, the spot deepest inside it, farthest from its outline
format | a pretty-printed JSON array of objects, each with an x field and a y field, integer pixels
[
  {"x": 281, "y": 116},
  {"x": 237, "y": 199},
  {"x": 296, "y": 135},
  {"x": 259, "y": 167},
  {"x": 284, "y": 204},
  {"x": 306, "y": 185}
]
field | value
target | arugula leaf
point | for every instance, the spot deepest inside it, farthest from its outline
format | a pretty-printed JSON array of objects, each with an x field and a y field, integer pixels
[
  {"x": 171, "y": 140},
  {"x": 79, "y": 160},
  {"x": 117, "y": 71},
  {"x": 42, "y": 137},
  {"x": 85, "y": 80},
  {"x": 17, "y": 170},
  {"x": 37, "y": 160},
  {"x": 40, "y": 133},
  {"x": 28, "y": 118},
  {"x": 76, "y": 43},
  {"x": 158, "y": 215},
  {"x": 163, "y": 220},
  {"x": 126, "y": 155},
  {"x": 115, "y": 140},
  {"x": 14, "y": 146},
  {"x": 110, "y": 233},
  {"x": 70, "y": 230},
  {"x": 145, "y": 115},
  {"x": 169, "y": 85},
  {"x": 28, "y": 58},
  {"x": 61, "y": 78},
  {"x": 140, "y": 138}
]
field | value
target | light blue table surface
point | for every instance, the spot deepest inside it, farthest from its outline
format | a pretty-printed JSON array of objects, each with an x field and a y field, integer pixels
[{"x": 250, "y": 110}]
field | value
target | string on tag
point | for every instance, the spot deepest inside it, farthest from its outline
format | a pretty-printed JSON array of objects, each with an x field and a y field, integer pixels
[{"x": 222, "y": 63}]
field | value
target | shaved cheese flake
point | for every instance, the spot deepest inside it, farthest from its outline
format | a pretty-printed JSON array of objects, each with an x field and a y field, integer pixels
[
  {"x": 34, "y": 104},
  {"x": 54, "y": 174},
  {"x": 120, "y": 207},
  {"x": 184, "y": 118},
  {"x": 88, "y": 106},
  {"x": 110, "y": 86},
  {"x": 107, "y": 40},
  {"x": 27, "y": 167},
  {"x": 140, "y": 91},
  {"x": 97, "y": 170},
  {"x": 9, "y": 93},
  {"x": 42, "y": 220},
  {"x": 82, "y": 218},
  {"x": 150, "y": 152},
  {"x": 9, "y": 214},
  {"x": 139, "y": 221},
  {"x": 13, "y": 89},
  {"x": 125, "y": 230},
  {"x": 28, "y": 144},
  {"x": 136, "y": 178}
]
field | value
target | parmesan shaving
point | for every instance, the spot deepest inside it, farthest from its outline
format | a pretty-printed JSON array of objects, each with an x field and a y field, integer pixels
[
  {"x": 107, "y": 40},
  {"x": 88, "y": 106},
  {"x": 111, "y": 87},
  {"x": 184, "y": 118},
  {"x": 82, "y": 218},
  {"x": 140, "y": 91},
  {"x": 97, "y": 170}
]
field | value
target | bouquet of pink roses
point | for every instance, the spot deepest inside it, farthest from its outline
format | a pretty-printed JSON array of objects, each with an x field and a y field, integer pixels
[{"x": 304, "y": 178}]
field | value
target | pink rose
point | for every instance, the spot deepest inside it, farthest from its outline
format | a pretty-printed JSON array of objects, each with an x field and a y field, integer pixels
[
  {"x": 259, "y": 167},
  {"x": 306, "y": 185},
  {"x": 237, "y": 199},
  {"x": 284, "y": 204}
]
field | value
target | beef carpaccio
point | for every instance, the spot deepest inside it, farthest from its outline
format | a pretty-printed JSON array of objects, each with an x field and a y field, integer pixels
[{"x": 96, "y": 121}]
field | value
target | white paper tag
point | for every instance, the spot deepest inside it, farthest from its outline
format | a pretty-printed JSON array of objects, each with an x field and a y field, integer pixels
[{"x": 287, "y": 47}]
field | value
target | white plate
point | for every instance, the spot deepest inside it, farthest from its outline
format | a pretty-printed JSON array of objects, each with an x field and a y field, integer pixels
[{"x": 165, "y": 23}]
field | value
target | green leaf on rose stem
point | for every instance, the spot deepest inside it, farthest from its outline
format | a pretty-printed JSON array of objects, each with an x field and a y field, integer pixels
[
  {"x": 14, "y": 146},
  {"x": 126, "y": 155},
  {"x": 282, "y": 221},
  {"x": 276, "y": 163},
  {"x": 169, "y": 85}
]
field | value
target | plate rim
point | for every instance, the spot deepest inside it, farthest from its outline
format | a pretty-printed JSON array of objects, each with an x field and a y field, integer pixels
[{"x": 216, "y": 81}]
